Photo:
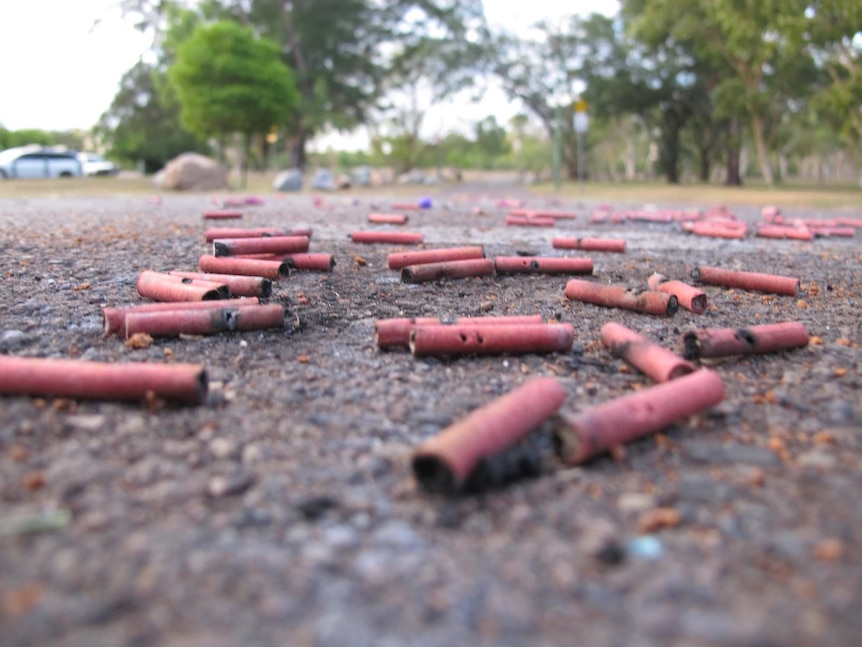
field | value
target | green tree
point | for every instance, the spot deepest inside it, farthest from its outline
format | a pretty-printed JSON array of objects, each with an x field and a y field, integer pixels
[
  {"x": 491, "y": 141},
  {"x": 229, "y": 81}
]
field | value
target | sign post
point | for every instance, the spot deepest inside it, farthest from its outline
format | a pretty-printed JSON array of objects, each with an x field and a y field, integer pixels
[{"x": 582, "y": 122}]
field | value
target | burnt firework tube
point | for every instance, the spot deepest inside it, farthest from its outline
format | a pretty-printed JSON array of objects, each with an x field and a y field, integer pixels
[
  {"x": 389, "y": 333},
  {"x": 538, "y": 265},
  {"x": 651, "y": 359},
  {"x": 391, "y": 237},
  {"x": 263, "y": 245},
  {"x": 114, "y": 319},
  {"x": 387, "y": 218},
  {"x": 612, "y": 296},
  {"x": 723, "y": 342},
  {"x": 461, "y": 339},
  {"x": 163, "y": 287},
  {"x": 403, "y": 259},
  {"x": 769, "y": 283},
  {"x": 581, "y": 436},
  {"x": 185, "y": 383},
  {"x": 222, "y": 215},
  {"x": 447, "y": 270},
  {"x": 316, "y": 262},
  {"x": 272, "y": 270},
  {"x": 205, "y": 322},
  {"x": 689, "y": 297},
  {"x": 590, "y": 244},
  {"x": 240, "y": 286},
  {"x": 235, "y": 232},
  {"x": 443, "y": 464}
]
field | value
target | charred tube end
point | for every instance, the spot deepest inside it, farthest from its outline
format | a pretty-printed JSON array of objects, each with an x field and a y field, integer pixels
[
  {"x": 691, "y": 346},
  {"x": 283, "y": 271},
  {"x": 567, "y": 444},
  {"x": 407, "y": 275},
  {"x": 266, "y": 288},
  {"x": 220, "y": 249},
  {"x": 332, "y": 262},
  {"x": 224, "y": 291},
  {"x": 680, "y": 370},
  {"x": 212, "y": 295},
  {"x": 672, "y": 305},
  {"x": 203, "y": 385},
  {"x": 433, "y": 474},
  {"x": 698, "y": 304},
  {"x": 695, "y": 273}
]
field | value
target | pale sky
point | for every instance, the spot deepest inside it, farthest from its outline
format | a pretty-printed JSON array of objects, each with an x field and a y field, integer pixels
[{"x": 61, "y": 69}]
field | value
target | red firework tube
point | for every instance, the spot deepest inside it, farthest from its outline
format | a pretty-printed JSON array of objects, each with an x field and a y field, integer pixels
[
  {"x": 163, "y": 287},
  {"x": 543, "y": 213},
  {"x": 581, "y": 436},
  {"x": 447, "y": 270},
  {"x": 443, "y": 463},
  {"x": 318, "y": 262},
  {"x": 235, "y": 232},
  {"x": 114, "y": 319},
  {"x": 689, "y": 297},
  {"x": 396, "y": 332},
  {"x": 651, "y": 359},
  {"x": 273, "y": 270},
  {"x": 849, "y": 222},
  {"x": 265, "y": 245},
  {"x": 403, "y": 259},
  {"x": 461, "y": 339},
  {"x": 714, "y": 230},
  {"x": 522, "y": 221},
  {"x": 722, "y": 342},
  {"x": 392, "y": 237},
  {"x": 387, "y": 218},
  {"x": 590, "y": 244},
  {"x": 205, "y": 322},
  {"x": 612, "y": 296},
  {"x": 537, "y": 265},
  {"x": 769, "y": 283},
  {"x": 780, "y": 231},
  {"x": 240, "y": 286},
  {"x": 222, "y": 215},
  {"x": 846, "y": 232},
  {"x": 405, "y": 206},
  {"x": 186, "y": 383}
]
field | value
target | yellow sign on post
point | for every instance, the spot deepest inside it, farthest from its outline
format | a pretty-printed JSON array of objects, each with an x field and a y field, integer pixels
[{"x": 580, "y": 105}]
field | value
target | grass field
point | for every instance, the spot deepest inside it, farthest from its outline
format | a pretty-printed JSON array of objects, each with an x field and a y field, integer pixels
[{"x": 810, "y": 196}]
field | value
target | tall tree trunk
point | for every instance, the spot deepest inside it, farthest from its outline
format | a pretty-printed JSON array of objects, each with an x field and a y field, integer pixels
[
  {"x": 762, "y": 154},
  {"x": 734, "y": 145},
  {"x": 296, "y": 148},
  {"x": 669, "y": 153},
  {"x": 705, "y": 163},
  {"x": 244, "y": 160}
]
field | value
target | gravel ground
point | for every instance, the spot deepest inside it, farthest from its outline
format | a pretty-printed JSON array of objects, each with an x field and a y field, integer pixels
[{"x": 284, "y": 512}]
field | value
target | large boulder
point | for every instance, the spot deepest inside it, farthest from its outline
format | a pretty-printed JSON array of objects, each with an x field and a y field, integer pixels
[
  {"x": 323, "y": 180},
  {"x": 192, "y": 172},
  {"x": 290, "y": 180}
]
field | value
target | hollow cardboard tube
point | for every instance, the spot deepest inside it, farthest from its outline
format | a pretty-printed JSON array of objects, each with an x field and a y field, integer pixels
[
  {"x": 543, "y": 213},
  {"x": 264, "y": 245},
  {"x": 722, "y": 342},
  {"x": 650, "y": 359},
  {"x": 447, "y": 270},
  {"x": 398, "y": 260},
  {"x": 240, "y": 286},
  {"x": 318, "y": 262},
  {"x": 387, "y": 218},
  {"x": 163, "y": 287},
  {"x": 820, "y": 231},
  {"x": 205, "y": 322},
  {"x": 114, "y": 319},
  {"x": 581, "y": 436},
  {"x": 272, "y": 270},
  {"x": 391, "y": 237},
  {"x": 463, "y": 339},
  {"x": 538, "y": 265},
  {"x": 405, "y": 206},
  {"x": 715, "y": 230},
  {"x": 780, "y": 231},
  {"x": 849, "y": 222},
  {"x": 689, "y": 297},
  {"x": 612, "y": 296},
  {"x": 443, "y": 463},
  {"x": 186, "y": 383},
  {"x": 524, "y": 221},
  {"x": 590, "y": 244},
  {"x": 769, "y": 283},
  {"x": 389, "y": 333},
  {"x": 235, "y": 232},
  {"x": 222, "y": 215}
]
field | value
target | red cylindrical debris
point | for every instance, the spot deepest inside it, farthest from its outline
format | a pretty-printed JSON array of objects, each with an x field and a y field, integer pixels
[
  {"x": 612, "y": 296},
  {"x": 689, "y": 297},
  {"x": 205, "y": 322},
  {"x": 398, "y": 260},
  {"x": 849, "y": 222},
  {"x": 235, "y": 232},
  {"x": 387, "y": 218},
  {"x": 405, "y": 206},
  {"x": 115, "y": 318},
  {"x": 265, "y": 245},
  {"x": 524, "y": 221},
  {"x": 581, "y": 436},
  {"x": 273, "y": 270},
  {"x": 222, "y": 215},
  {"x": 461, "y": 339},
  {"x": 390, "y": 333},
  {"x": 723, "y": 342},
  {"x": 444, "y": 463},
  {"x": 543, "y": 213},
  {"x": 781, "y": 231},
  {"x": 651, "y": 359},
  {"x": 240, "y": 286},
  {"x": 824, "y": 231},
  {"x": 186, "y": 383},
  {"x": 769, "y": 283},
  {"x": 447, "y": 270},
  {"x": 391, "y": 237},
  {"x": 317, "y": 262},
  {"x": 537, "y": 265},
  {"x": 590, "y": 244},
  {"x": 163, "y": 287},
  {"x": 715, "y": 230}
]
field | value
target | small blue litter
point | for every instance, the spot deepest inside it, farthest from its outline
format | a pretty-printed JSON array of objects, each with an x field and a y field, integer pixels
[
  {"x": 425, "y": 203},
  {"x": 646, "y": 547}
]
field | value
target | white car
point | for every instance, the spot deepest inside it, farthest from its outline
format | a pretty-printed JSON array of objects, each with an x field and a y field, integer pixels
[
  {"x": 39, "y": 162},
  {"x": 94, "y": 164}
]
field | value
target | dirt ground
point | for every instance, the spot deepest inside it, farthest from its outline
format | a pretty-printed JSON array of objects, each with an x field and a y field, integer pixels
[{"x": 284, "y": 511}]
